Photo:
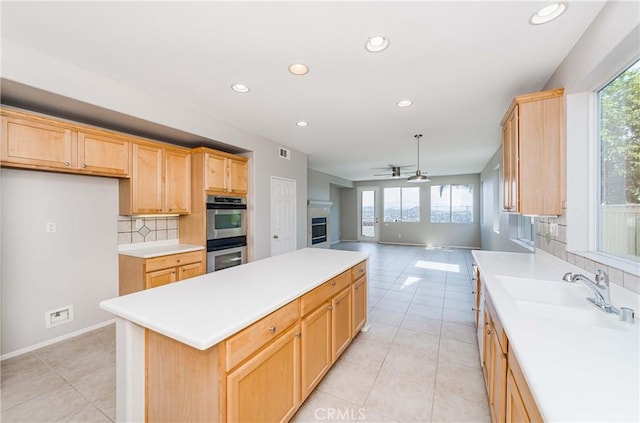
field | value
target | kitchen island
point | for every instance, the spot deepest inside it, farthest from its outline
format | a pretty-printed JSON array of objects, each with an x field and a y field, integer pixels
[{"x": 245, "y": 343}]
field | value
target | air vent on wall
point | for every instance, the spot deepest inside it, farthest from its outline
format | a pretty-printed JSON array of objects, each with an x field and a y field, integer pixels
[{"x": 284, "y": 153}]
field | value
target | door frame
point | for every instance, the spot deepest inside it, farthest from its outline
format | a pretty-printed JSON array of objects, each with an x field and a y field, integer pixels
[{"x": 376, "y": 213}]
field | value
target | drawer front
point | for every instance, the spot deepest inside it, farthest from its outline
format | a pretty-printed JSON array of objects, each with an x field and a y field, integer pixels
[
  {"x": 173, "y": 260},
  {"x": 358, "y": 271},
  {"x": 319, "y": 295},
  {"x": 249, "y": 340}
]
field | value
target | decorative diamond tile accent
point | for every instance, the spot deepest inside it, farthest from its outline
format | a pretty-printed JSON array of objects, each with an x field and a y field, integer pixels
[{"x": 144, "y": 231}]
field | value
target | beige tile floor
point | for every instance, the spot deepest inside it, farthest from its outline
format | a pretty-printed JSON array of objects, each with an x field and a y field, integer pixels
[{"x": 418, "y": 363}]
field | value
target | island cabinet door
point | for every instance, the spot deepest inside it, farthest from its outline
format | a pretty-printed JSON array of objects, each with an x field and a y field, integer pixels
[
  {"x": 359, "y": 296},
  {"x": 266, "y": 388},
  {"x": 316, "y": 347},
  {"x": 516, "y": 409},
  {"x": 341, "y": 323}
]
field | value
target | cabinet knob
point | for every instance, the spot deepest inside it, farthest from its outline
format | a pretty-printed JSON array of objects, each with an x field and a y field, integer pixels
[
  {"x": 178, "y": 260},
  {"x": 474, "y": 309},
  {"x": 84, "y": 165},
  {"x": 338, "y": 302},
  {"x": 333, "y": 283},
  {"x": 330, "y": 308},
  {"x": 275, "y": 237},
  {"x": 298, "y": 334},
  {"x": 358, "y": 287},
  {"x": 488, "y": 331},
  {"x": 174, "y": 272},
  {"x": 67, "y": 164},
  {"x": 272, "y": 329}
]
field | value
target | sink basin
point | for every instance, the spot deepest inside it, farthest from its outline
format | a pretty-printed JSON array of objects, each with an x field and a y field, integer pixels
[
  {"x": 587, "y": 315},
  {"x": 543, "y": 291},
  {"x": 558, "y": 301}
]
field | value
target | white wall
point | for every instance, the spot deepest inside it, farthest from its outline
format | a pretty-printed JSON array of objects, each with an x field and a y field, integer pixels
[
  {"x": 324, "y": 187},
  {"x": 24, "y": 65},
  {"x": 77, "y": 265},
  {"x": 507, "y": 222},
  {"x": 334, "y": 216}
]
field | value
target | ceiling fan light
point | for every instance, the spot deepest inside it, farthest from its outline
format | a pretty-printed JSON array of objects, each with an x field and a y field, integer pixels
[{"x": 418, "y": 178}]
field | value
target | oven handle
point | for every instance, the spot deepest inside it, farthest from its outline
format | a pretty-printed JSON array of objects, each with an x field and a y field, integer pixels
[{"x": 226, "y": 206}]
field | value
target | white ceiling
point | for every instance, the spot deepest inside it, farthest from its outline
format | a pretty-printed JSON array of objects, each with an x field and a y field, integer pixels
[{"x": 460, "y": 62}]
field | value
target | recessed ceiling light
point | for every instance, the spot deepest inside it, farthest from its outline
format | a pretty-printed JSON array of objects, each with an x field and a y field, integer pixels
[
  {"x": 302, "y": 124},
  {"x": 240, "y": 88},
  {"x": 404, "y": 103},
  {"x": 376, "y": 44},
  {"x": 548, "y": 13},
  {"x": 298, "y": 69}
]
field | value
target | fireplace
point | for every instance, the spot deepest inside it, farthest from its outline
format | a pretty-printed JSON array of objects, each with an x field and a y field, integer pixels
[
  {"x": 318, "y": 223},
  {"x": 318, "y": 230}
]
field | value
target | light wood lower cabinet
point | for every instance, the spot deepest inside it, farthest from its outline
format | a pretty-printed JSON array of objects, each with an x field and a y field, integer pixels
[
  {"x": 509, "y": 397},
  {"x": 316, "y": 347},
  {"x": 136, "y": 273},
  {"x": 341, "y": 323},
  {"x": 266, "y": 388},
  {"x": 359, "y": 297}
]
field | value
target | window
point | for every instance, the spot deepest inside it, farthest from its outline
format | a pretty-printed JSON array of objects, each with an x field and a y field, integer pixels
[
  {"x": 526, "y": 232},
  {"x": 619, "y": 184},
  {"x": 452, "y": 203},
  {"x": 402, "y": 204}
]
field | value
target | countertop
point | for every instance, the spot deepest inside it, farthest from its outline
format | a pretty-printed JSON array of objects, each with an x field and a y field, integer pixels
[
  {"x": 157, "y": 249},
  {"x": 204, "y": 310},
  {"x": 575, "y": 371}
]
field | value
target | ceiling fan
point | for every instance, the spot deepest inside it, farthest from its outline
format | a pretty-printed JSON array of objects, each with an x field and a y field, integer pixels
[{"x": 393, "y": 171}]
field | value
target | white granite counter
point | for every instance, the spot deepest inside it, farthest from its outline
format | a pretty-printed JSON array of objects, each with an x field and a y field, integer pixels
[
  {"x": 576, "y": 370},
  {"x": 204, "y": 310},
  {"x": 157, "y": 248}
]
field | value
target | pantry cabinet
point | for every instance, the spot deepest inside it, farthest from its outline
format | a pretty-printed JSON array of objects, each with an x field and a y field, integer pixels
[
  {"x": 160, "y": 181},
  {"x": 533, "y": 154},
  {"x": 138, "y": 273},
  {"x": 37, "y": 142}
]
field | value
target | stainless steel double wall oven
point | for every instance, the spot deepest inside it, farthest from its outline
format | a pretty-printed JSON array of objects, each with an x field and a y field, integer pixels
[{"x": 226, "y": 232}]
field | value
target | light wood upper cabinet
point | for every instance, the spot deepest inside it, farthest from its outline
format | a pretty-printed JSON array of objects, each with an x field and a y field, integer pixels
[
  {"x": 103, "y": 154},
  {"x": 533, "y": 154},
  {"x": 225, "y": 173},
  {"x": 177, "y": 198},
  {"x": 238, "y": 181},
  {"x": 160, "y": 181},
  {"x": 36, "y": 142}
]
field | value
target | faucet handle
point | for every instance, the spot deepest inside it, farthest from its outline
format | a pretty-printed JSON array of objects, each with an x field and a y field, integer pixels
[
  {"x": 568, "y": 277},
  {"x": 602, "y": 278}
]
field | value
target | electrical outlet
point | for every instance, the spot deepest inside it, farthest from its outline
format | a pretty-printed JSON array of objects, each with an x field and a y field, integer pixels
[
  {"x": 58, "y": 316},
  {"x": 51, "y": 227}
]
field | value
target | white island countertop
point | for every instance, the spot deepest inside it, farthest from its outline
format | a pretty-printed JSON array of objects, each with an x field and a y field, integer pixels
[
  {"x": 204, "y": 310},
  {"x": 577, "y": 371}
]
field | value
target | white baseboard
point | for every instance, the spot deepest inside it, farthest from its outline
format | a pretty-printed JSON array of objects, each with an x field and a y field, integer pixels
[{"x": 54, "y": 340}]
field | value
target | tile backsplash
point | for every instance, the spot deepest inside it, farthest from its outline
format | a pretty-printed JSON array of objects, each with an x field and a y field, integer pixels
[
  {"x": 150, "y": 229},
  {"x": 557, "y": 245}
]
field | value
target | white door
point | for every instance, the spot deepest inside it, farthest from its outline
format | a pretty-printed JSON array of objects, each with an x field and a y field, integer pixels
[
  {"x": 368, "y": 214},
  {"x": 283, "y": 215}
]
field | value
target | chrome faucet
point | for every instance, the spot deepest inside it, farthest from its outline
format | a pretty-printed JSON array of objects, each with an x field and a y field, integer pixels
[{"x": 600, "y": 289}]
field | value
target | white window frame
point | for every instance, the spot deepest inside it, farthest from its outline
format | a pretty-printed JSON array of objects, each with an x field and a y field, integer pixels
[
  {"x": 582, "y": 164},
  {"x": 401, "y": 205}
]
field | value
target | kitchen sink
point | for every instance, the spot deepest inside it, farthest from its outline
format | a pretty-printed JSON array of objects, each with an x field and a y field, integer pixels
[
  {"x": 544, "y": 291},
  {"x": 558, "y": 301}
]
